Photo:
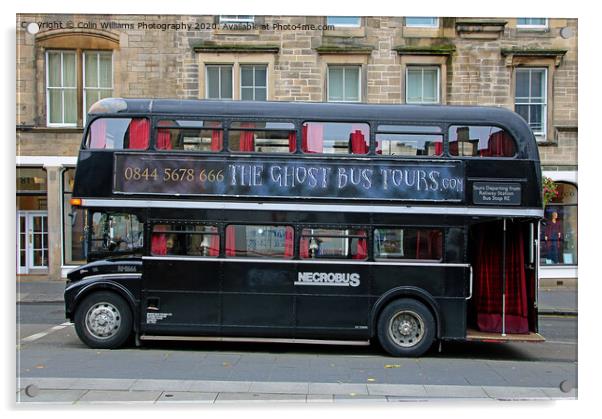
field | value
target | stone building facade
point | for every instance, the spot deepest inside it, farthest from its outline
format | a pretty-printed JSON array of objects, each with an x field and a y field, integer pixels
[{"x": 527, "y": 65}]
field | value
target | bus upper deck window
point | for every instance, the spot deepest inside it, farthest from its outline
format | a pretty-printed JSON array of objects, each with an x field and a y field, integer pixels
[
  {"x": 480, "y": 141},
  {"x": 335, "y": 138},
  {"x": 409, "y": 140},
  {"x": 189, "y": 135},
  {"x": 262, "y": 137},
  {"x": 119, "y": 134}
]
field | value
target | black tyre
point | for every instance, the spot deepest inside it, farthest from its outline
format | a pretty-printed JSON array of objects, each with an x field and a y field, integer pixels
[
  {"x": 103, "y": 320},
  {"x": 406, "y": 327}
]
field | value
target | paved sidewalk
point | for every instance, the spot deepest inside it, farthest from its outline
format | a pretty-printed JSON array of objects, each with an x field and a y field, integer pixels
[
  {"x": 557, "y": 300},
  {"x": 127, "y": 391}
]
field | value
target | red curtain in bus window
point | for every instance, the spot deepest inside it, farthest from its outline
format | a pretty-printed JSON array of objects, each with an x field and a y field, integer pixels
[
  {"x": 379, "y": 147},
  {"x": 288, "y": 243},
  {"x": 139, "y": 133},
  {"x": 98, "y": 134},
  {"x": 214, "y": 245},
  {"x": 453, "y": 148},
  {"x": 247, "y": 138},
  {"x": 159, "y": 241},
  {"x": 362, "y": 247},
  {"x": 438, "y": 148},
  {"x": 313, "y": 137},
  {"x": 358, "y": 142},
  {"x": 292, "y": 141},
  {"x": 500, "y": 144},
  {"x": 304, "y": 247},
  {"x": 164, "y": 139},
  {"x": 217, "y": 140},
  {"x": 488, "y": 279},
  {"x": 230, "y": 241},
  {"x": 429, "y": 244}
]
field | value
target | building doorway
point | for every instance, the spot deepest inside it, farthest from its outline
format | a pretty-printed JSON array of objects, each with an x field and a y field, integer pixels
[{"x": 32, "y": 242}]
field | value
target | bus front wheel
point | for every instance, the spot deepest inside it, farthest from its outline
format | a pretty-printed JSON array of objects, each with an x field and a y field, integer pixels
[
  {"x": 406, "y": 327},
  {"x": 103, "y": 320}
]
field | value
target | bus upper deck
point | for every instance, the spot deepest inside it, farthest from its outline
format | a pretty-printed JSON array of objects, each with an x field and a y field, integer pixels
[{"x": 275, "y": 151}]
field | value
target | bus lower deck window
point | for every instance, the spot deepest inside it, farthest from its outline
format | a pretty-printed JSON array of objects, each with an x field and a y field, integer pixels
[
  {"x": 333, "y": 244},
  {"x": 184, "y": 240},
  {"x": 408, "y": 243},
  {"x": 259, "y": 241}
]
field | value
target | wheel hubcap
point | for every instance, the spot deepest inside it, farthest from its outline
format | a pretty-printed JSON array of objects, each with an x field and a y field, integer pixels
[
  {"x": 103, "y": 320},
  {"x": 406, "y": 328}
]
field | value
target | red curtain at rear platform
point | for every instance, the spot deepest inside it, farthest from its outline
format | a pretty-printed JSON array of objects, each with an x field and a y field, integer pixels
[{"x": 488, "y": 279}]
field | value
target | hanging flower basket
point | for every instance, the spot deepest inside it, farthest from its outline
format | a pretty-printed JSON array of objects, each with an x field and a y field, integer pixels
[{"x": 550, "y": 190}]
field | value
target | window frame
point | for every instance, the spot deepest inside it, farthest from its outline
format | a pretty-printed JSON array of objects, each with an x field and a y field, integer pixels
[
  {"x": 61, "y": 88},
  {"x": 433, "y": 25},
  {"x": 254, "y": 86},
  {"x": 84, "y": 88},
  {"x": 80, "y": 88},
  {"x": 236, "y": 19},
  {"x": 344, "y": 67},
  {"x": 411, "y": 67},
  {"x": 544, "y": 26},
  {"x": 344, "y": 25},
  {"x": 231, "y": 67},
  {"x": 543, "y": 134}
]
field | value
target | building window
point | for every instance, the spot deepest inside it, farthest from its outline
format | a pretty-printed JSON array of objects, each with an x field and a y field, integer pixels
[
  {"x": 61, "y": 88},
  {"x": 344, "y": 84},
  {"x": 236, "y": 19},
  {"x": 422, "y": 85},
  {"x": 219, "y": 82},
  {"x": 344, "y": 21},
  {"x": 253, "y": 82},
  {"x": 422, "y": 22},
  {"x": 65, "y": 88},
  {"x": 559, "y": 228},
  {"x": 531, "y": 23},
  {"x": 98, "y": 77},
  {"x": 530, "y": 98}
]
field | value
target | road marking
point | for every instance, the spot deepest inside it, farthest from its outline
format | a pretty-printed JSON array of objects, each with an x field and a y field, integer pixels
[{"x": 46, "y": 332}]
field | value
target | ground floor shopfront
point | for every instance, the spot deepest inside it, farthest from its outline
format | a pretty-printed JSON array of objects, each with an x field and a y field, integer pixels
[{"x": 50, "y": 233}]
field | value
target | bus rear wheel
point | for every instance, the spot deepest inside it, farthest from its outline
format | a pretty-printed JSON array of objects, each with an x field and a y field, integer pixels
[
  {"x": 406, "y": 327},
  {"x": 103, "y": 320}
]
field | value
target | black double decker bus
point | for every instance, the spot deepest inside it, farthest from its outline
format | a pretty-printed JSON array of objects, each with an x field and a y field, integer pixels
[{"x": 306, "y": 222}]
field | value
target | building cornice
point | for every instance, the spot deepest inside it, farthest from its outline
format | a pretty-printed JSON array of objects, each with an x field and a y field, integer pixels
[
  {"x": 207, "y": 46},
  {"x": 441, "y": 49},
  {"x": 480, "y": 28},
  {"x": 512, "y": 53}
]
